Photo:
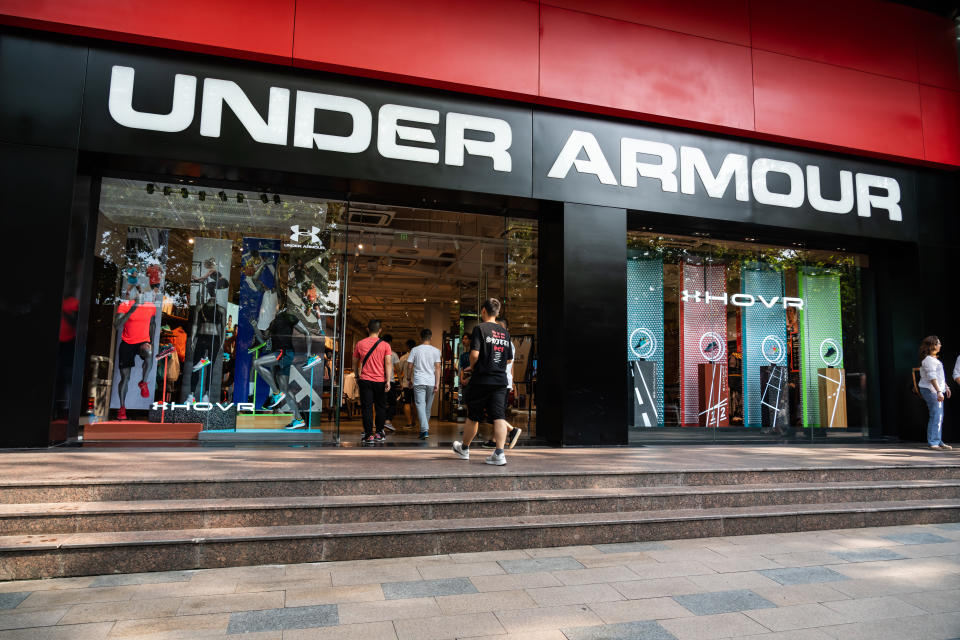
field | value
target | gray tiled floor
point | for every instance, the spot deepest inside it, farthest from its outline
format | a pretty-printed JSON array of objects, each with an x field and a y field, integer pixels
[
  {"x": 804, "y": 575},
  {"x": 705, "y": 604},
  {"x": 846, "y": 587}
]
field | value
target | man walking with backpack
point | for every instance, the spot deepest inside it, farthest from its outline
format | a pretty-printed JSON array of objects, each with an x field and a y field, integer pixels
[
  {"x": 490, "y": 353},
  {"x": 373, "y": 367}
]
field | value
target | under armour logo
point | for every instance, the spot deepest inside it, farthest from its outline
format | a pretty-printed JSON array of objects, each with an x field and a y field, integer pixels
[{"x": 313, "y": 234}]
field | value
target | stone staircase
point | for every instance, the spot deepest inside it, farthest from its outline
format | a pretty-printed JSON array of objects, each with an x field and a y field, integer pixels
[{"x": 86, "y": 528}]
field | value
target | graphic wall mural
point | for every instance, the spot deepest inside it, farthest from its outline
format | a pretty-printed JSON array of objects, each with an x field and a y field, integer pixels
[
  {"x": 704, "y": 331},
  {"x": 764, "y": 334},
  {"x": 645, "y": 333},
  {"x": 821, "y": 336}
]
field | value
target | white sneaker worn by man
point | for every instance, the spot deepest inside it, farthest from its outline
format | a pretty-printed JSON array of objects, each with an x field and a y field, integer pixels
[
  {"x": 460, "y": 451},
  {"x": 498, "y": 459}
]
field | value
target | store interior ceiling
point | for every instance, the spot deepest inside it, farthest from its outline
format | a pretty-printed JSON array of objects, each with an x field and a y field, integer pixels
[{"x": 397, "y": 261}]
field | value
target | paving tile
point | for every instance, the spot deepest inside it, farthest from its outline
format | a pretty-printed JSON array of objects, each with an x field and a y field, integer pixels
[
  {"x": 866, "y": 609},
  {"x": 427, "y": 588},
  {"x": 942, "y": 626},
  {"x": 11, "y": 599},
  {"x": 542, "y": 634},
  {"x": 485, "y": 556},
  {"x": 786, "y": 595},
  {"x": 577, "y": 594},
  {"x": 127, "y": 610},
  {"x": 723, "y": 625},
  {"x": 46, "y": 584},
  {"x": 803, "y": 575},
  {"x": 354, "y": 612},
  {"x": 686, "y": 555},
  {"x": 322, "y": 615},
  {"x": 436, "y": 570},
  {"x": 647, "y": 630},
  {"x": 333, "y": 595},
  {"x": 805, "y": 559},
  {"x": 230, "y": 603},
  {"x": 142, "y": 578},
  {"x": 745, "y": 563},
  {"x": 515, "y": 581},
  {"x": 800, "y": 616},
  {"x": 934, "y": 601},
  {"x": 637, "y": 589},
  {"x": 443, "y": 627},
  {"x": 32, "y": 618},
  {"x": 313, "y": 571},
  {"x": 868, "y": 555},
  {"x": 553, "y": 552},
  {"x": 731, "y": 581},
  {"x": 875, "y": 587},
  {"x": 375, "y": 574},
  {"x": 614, "y": 559},
  {"x": 795, "y": 634},
  {"x": 949, "y": 526},
  {"x": 177, "y": 627},
  {"x": 629, "y": 547},
  {"x": 246, "y": 586},
  {"x": 480, "y": 602},
  {"x": 534, "y": 565},
  {"x": 917, "y": 538},
  {"x": 592, "y": 576},
  {"x": 547, "y": 618},
  {"x": 204, "y": 587},
  {"x": 91, "y": 631},
  {"x": 669, "y": 569},
  {"x": 706, "y": 604},
  {"x": 363, "y": 631},
  {"x": 951, "y": 548},
  {"x": 50, "y": 599},
  {"x": 635, "y": 610}
]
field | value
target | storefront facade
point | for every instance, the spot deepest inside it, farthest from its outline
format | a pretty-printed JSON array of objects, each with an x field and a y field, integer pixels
[{"x": 685, "y": 286}]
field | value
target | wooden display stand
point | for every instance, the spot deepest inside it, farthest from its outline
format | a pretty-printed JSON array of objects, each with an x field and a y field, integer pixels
[
  {"x": 714, "y": 395},
  {"x": 833, "y": 397}
]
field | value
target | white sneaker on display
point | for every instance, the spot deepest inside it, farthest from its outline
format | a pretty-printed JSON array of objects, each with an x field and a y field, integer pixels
[
  {"x": 460, "y": 451},
  {"x": 496, "y": 459}
]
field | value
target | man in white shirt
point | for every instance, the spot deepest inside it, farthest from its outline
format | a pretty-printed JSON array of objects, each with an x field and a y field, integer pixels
[{"x": 423, "y": 366}]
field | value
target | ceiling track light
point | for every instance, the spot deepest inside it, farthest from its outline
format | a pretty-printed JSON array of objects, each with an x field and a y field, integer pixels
[
  {"x": 151, "y": 188},
  {"x": 184, "y": 193},
  {"x": 264, "y": 198},
  {"x": 223, "y": 196},
  {"x": 239, "y": 198},
  {"x": 167, "y": 191},
  {"x": 276, "y": 199},
  {"x": 202, "y": 195}
]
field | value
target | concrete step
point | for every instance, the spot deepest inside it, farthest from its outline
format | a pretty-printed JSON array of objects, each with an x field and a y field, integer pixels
[
  {"x": 474, "y": 478},
  {"x": 144, "y": 515},
  {"x": 55, "y": 555}
]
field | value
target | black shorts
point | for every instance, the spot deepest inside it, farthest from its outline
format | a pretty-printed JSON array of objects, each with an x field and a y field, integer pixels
[
  {"x": 486, "y": 400},
  {"x": 408, "y": 395},
  {"x": 128, "y": 352}
]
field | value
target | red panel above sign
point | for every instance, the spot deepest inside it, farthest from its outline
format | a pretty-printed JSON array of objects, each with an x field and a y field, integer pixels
[
  {"x": 837, "y": 106},
  {"x": 619, "y": 65},
  {"x": 461, "y": 43}
]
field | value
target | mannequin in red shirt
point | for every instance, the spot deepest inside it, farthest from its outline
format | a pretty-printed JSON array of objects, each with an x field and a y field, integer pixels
[{"x": 136, "y": 323}]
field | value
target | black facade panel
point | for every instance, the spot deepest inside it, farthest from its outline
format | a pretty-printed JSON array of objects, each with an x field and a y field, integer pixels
[
  {"x": 42, "y": 91},
  {"x": 594, "y": 322},
  {"x": 37, "y": 187}
]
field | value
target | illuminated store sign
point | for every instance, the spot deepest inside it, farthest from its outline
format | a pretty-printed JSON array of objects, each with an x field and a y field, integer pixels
[{"x": 740, "y": 299}]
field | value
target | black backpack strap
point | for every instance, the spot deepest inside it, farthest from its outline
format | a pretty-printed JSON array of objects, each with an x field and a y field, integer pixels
[{"x": 363, "y": 363}]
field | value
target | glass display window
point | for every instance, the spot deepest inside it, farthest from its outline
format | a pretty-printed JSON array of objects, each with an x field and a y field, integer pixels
[{"x": 743, "y": 339}]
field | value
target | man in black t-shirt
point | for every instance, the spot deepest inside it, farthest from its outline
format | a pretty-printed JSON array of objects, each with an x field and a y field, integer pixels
[{"x": 490, "y": 353}]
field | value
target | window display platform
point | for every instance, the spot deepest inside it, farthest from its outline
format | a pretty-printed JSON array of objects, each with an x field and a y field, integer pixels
[{"x": 141, "y": 430}]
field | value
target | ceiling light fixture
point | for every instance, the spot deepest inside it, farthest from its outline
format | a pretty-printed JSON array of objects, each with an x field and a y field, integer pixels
[
  {"x": 190, "y": 240},
  {"x": 202, "y": 195},
  {"x": 239, "y": 198},
  {"x": 222, "y": 196},
  {"x": 276, "y": 199},
  {"x": 166, "y": 191},
  {"x": 184, "y": 193},
  {"x": 151, "y": 188},
  {"x": 264, "y": 198}
]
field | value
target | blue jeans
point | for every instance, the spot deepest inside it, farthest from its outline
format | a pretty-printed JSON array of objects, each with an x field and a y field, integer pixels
[
  {"x": 423, "y": 399},
  {"x": 935, "y": 423}
]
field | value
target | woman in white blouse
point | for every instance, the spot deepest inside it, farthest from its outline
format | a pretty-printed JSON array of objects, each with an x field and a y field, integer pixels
[{"x": 933, "y": 388}]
